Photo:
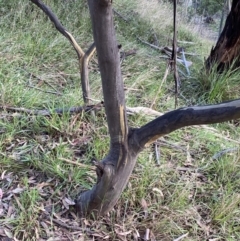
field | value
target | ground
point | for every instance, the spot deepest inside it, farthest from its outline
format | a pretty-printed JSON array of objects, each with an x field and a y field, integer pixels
[{"x": 184, "y": 187}]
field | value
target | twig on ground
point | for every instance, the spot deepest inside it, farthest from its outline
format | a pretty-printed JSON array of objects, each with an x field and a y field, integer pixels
[
  {"x": 161, "y": 141},
  {"x": 45, "y": 91},
  {"x": 163, "y": 80},
  {"x": 221, "y": 153},
  {"x": 77, "y": 163},
  {"x": 151, "y": 45},
  {"x": 157, "y": 152},
  {"x": 185, "y": 42},
  {"x": 79, "y": 109},
  {"x": 181, "y": 237},
  {"x": 120, "y": 15},
  {"x": 45, "y": 112},
  {"x": 146, "y": 236},
  {"x": 143, "y": 110},
  {"x": 165, "y": 50},
  {"x": 41, "y": 80},
  {"x": 214, "y": 131},
  {"x": 67, "y": 226}
]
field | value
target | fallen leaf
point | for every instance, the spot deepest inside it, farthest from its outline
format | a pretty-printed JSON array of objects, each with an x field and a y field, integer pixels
[
  {"x": 17, "y": 190},
  {"x": 8, "y": 233}
]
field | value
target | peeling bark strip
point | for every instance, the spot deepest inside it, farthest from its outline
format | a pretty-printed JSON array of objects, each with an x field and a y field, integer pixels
[
  {"x": 82, "y": 57},
  {"x": 227, "y": 49}
]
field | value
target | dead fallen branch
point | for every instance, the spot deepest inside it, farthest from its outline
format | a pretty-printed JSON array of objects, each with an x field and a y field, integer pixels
[
  {"x": 77, "y": 163},
  {"x": 45, "y": 112},
  {"x": 151, "y": 45},
  {"x": 166, "y": 50},
  {"x": 142, "y": 110},
  {"x": 120, "y": 15},
  {"x": 80, "y": 109},
  {"x": 223, "y": 152},
  {"x": 45, "y": 91}
]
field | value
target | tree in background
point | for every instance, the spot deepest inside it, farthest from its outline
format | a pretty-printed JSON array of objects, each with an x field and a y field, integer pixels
[
  {"x": 227, "y": 50},
  {"x": 208, "y": 7}
]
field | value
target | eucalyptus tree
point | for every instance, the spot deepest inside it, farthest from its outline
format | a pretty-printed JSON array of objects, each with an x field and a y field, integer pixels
[{"x": 114, "y": 171}]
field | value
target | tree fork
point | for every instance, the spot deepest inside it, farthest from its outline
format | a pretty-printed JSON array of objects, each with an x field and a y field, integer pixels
[{"x": 114, "y": 170}]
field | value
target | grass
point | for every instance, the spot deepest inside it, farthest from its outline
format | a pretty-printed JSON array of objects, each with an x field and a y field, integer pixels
[{"x": 46, "y": 161}]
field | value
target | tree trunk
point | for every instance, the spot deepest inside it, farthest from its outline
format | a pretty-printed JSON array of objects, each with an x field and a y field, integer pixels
[{"x": 227, "y": 50}]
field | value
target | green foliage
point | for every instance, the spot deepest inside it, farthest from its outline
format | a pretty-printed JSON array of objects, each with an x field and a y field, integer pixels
[
  {"x": 215, "y": 87},
  {"x": 209, "y": 7}
]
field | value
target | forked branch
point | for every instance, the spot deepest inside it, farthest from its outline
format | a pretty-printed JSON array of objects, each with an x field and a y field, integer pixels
[{"x": 82, "y": 57}]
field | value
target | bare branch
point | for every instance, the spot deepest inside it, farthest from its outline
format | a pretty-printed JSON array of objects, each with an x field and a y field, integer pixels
[
  {"x": 72, "y": 110},
  {"x": 59, "y": 26},
  {"x": 46, "y": 91},
  {"x": 174, "y": 52},
  {"x": 195, "y": 115},
  {"x": 83, "y": 57},
  {"x": 84, "y": 73}
]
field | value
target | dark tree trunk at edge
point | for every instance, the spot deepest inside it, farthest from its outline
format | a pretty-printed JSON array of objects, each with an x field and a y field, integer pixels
[{"x": 227, "y": 49}]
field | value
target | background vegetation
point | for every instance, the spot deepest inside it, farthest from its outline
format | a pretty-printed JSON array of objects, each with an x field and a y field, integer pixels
[{"x": 192, "y": 193}]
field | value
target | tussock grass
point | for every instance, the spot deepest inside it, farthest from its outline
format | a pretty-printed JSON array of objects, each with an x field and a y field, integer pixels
[{"x": 46, "y": 161}]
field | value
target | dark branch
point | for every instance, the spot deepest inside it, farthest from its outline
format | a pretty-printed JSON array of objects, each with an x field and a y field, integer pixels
[
  {"x": 196, "y": 115},
  {"x": 174, "y": 51}
]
